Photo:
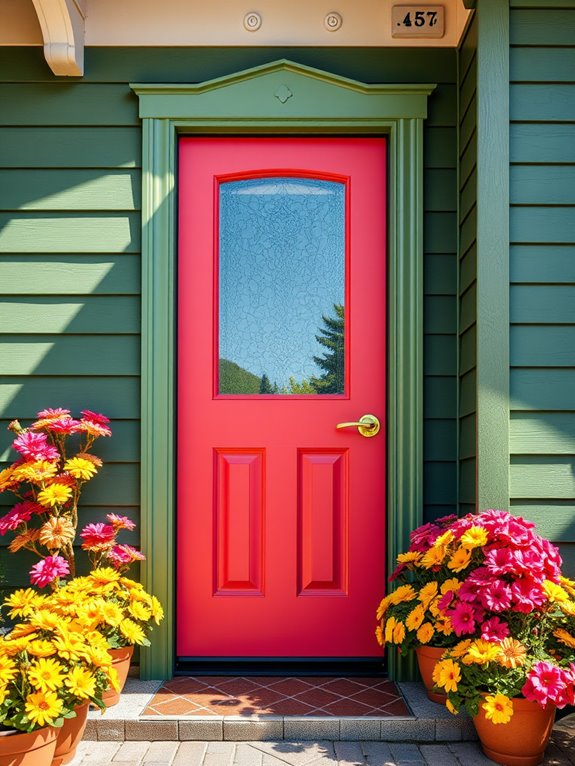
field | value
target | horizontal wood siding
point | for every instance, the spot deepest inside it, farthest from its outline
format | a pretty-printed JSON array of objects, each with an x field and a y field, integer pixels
[
  {"x": 70, "y": 195},
  {"x": 542, "y": 266},
  {"x": 467, "y": 289}
]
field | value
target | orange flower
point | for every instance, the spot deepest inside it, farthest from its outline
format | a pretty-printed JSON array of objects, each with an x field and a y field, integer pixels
[{"x": 512, "y": 653}]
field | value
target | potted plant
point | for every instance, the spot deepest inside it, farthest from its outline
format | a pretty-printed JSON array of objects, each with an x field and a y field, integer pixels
[
  {"x": 50, "y": 670},
  {"x": 118, "y": 608},
  {"x": 427, "y": 577},
  {"x": 514, "y": 617}
]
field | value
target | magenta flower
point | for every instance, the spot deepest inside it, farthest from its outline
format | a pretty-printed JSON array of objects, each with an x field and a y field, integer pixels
[
  {"x": 470, "y": 591},
  {"x": 545, "y": 683},
  {"x": 527, "y": 594},
  {"x": 64, "y": 426},
  {"x": 494, "y": 630},
  {"x": 48, "y": 570},
  {"x": 95, "y": 417},
  {"x": 120, "y": 522},
  {"x": 497, "y": 597},
  {"x": 500, "y": 561},
  {"x": 122, "y": 555},
  {"x": 97, "y": 535},
  {"x": 463, "y": 618},
  {"x": 19, "y": 514},
  {"x": 35, "y": 446},
  {"x": 50, "y": 413}
]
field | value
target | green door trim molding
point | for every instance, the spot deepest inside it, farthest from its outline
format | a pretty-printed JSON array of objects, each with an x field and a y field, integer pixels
[
  {"x": 493, "y": 255},
  {"x": 282, "y": 97}
]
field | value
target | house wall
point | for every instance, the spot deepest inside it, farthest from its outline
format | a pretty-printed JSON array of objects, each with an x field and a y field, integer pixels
[
  {"x": 467, "y": 286},
  {"x": 542, "y": 267},
  {"x": 70, "y": 155}
]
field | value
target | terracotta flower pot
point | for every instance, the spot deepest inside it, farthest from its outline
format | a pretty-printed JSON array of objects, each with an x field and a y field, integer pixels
[
  {"x": 121, "y": 662},
  {"x": 70, "y": 735},
  {"x": 427, "y": 657},
  {"x": 34, "y": 749},
  {"x": 521, "y": 741}
]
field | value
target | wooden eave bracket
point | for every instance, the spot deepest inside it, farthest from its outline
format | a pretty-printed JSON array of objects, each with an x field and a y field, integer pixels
[{"x": 62, "y": 24}]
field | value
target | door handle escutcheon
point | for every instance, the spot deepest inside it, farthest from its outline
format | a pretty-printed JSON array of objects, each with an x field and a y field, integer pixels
[{"x": 367, "y": 425}]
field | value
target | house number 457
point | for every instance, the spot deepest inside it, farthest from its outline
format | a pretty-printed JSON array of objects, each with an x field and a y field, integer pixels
[{"x": 417, "y": 21}]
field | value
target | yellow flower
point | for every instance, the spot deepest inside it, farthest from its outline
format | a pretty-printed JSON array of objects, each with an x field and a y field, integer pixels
[
  {"x": 382, "y": 608},
  {"x": 55, "y": 494},
  {"x": 132, "y": 632},
  {"x": 3, "y": 693},
  {"x": 461, "y": 648},
  {"x": 443, "y": 539},
  {"x": 41, "y": 648},
  {"x": 474, "y": 537},
  {"x": 379, "y": 635},
  {"x": 512, "y": 653},
  {"x": 8, "y": 670},
  {"x": 389, "y": 628},
  {"x": 451, "y": 707},
  {"x": 568, "y": 608},
  {"x": 427, "y": 593},
  {"x": 23, "y": 602},
  {"x": 139, "y": 611},
  {"x": 403, "y": 593},
  {"x": 448, "y": 675},
  {"x": 565, "y": 637},
  {"x": 71, "y": 646},
  {"x": 460, "y": 560},
  {"x": 555, "y": 593},
  {"x": 57, "y": 532},
  {"x": 35, "y": 472},
  {"x": 480, "y": 652},
  {"x": 80, "y": 468},
  {"x": 452, "y": 584},
  {"x": 46, "y": 675},
  {"x": 23, "y": 630},
  {"x": 44, "y": 619},
  {"x": 425, "y": 633},
  {"x": 433, "y": 557},
  {"x": 104, "y": 575},
  {"x": 7, "y": 480},
  {"x": 568, "y": 584},
  {"x": 81, "y": 682},
  {"x": 398, "y": 632},
  {"x": 443, "y": 625},
  {"x": 411, "y": 557},
  {"x": 157, "y": 610},
  {"x": 43, "y": 707},
  {"x": 415, "y": 618},
  {"x": 111, "y": 613},
  {"x": 498, "y": 708}
]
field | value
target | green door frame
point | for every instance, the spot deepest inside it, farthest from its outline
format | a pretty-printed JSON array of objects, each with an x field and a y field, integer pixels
[{"x": 278, "y": 98}]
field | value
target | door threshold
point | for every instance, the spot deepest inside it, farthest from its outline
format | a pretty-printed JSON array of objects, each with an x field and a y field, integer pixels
[{"x": 281, "y": 666}]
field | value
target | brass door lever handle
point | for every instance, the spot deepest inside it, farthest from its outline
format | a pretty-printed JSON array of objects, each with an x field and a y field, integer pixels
[{"x": 368, "y": 425}]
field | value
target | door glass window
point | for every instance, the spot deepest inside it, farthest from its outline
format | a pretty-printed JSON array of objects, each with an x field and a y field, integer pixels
[{"x": 281, "y": 303}]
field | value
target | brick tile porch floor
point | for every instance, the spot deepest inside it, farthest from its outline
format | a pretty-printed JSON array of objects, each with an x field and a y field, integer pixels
[{"x": 255, "y": 695}]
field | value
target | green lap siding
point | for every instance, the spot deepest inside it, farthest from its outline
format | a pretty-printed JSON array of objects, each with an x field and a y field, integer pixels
[
  {"x": 70, "y": 198},
  {"x": 542, "y": 267}
]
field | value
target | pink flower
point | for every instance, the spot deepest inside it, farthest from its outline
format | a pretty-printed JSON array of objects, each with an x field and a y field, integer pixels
[
  {"x": 19, "y": 514},
  {"x": 497, "y": 597},
  {"x": 97, "y": 536},
  {"x": 64, "y": 426},
  {"x": 500, "y": 561},
  {"x": 545, "y": 683},
  {"x": 445, "y": 601},
  {"x": 48, "y": 570},
  {"x": 121, "y": 555},
  {"x": 470, "y": 591},
  {"x": 95, "y": 417},
  {"x": 527, "y": 594},
  {"x": 35, "y": 446},
  {"x": 50, "y": 413},
  {"x": 463, "y": 619},
  {"x": 120, "y": 522},
  {"x": 494, "y": 630}
]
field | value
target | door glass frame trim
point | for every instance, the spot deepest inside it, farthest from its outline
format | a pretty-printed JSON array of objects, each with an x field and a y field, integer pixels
[{"x": 248, "y": 103}]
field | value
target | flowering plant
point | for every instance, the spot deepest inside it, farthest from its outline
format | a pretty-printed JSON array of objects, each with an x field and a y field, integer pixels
[
  {"x": 48, "y": 665},
  {"x": 514, "y": 615},
  {"x": 47, "y": 480},
  {"x": 116, "y": 606},
  {"x": 428, "y": 576}
]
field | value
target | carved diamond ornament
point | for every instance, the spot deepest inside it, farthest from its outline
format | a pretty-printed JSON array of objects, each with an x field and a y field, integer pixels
[{"x": 283, "y": 93}]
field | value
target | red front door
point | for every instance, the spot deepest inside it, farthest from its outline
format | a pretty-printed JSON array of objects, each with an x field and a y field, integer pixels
[{"x": 281, "y": 327}]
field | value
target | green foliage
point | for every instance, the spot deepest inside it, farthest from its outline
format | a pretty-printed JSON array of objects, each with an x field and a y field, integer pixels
[
  {"x": 332, "y": 362},
  {"x": 235, "y": 380}
]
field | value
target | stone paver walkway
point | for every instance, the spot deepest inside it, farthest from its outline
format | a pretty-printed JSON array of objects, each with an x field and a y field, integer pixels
[{"x": 561, "y": 752}]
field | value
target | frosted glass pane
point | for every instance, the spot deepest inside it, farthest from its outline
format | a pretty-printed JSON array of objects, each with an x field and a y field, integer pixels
[{"x": 281, "y": 286}]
